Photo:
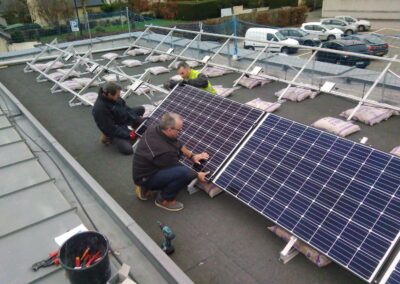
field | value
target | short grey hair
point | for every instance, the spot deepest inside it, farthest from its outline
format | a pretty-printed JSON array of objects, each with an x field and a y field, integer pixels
[
  {"x": 169, "y": 119},
  {"x": 182, "y": 64}
]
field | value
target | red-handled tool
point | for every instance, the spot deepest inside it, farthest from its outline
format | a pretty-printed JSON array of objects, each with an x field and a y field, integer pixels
[
  {"x": 93, "y": 258},
  {"x": 85, "y": 253},
  {"x": 51, "y": 260}
]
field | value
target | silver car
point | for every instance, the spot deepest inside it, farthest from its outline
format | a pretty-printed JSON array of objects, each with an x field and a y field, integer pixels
[
  {"x": 362, "y": 25},
  {"x": 342, "y": 25}
]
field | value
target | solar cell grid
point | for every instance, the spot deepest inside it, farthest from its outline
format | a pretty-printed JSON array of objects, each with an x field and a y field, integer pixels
[
  {"x": 337, "y": 195},
  {"x": 212, "y": 124}
]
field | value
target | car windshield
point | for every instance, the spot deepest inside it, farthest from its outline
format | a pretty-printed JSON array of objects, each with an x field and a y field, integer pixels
[
  {"x": 374, "y": 40},
  {"x": 280, "y": 36}
]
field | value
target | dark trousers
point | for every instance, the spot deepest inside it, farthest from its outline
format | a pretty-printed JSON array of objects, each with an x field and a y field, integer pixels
[
  {"x": 135, "y": 113},
  {"x": 124, "y": 146},
  {"x": 170, "y": 181}
]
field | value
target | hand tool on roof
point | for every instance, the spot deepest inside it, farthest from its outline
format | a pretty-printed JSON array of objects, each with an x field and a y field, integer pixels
[
  {"x": 167, "y": 246},
  {"x": 51, "y": 260}
]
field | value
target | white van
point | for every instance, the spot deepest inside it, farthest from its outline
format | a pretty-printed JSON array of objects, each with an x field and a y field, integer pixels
[{"x": 269, "y": 35}]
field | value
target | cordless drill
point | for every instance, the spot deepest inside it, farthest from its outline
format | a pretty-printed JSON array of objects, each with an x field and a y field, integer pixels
[{"x": 167, "y": 246}]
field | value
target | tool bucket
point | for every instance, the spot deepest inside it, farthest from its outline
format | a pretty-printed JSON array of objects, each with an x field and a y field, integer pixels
[{"x": 98, "y": 272}]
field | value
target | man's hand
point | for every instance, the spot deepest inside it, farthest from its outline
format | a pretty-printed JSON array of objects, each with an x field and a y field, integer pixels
[
  {"x": 202, "y": 176},
  {"x": 132, "y": 135},
  {"x": 183, "y": 83},
  {"x": 199, "y": 157}
]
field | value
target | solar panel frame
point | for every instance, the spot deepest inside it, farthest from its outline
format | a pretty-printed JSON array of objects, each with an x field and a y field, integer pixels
[
  {"x": 392, "y": 274},
  {"x": 224, "y": 122},
  {"x": 282, "y": 177}
]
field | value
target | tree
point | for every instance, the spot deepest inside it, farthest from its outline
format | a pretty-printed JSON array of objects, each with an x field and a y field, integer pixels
[
  {"x": 140, "y": 6},
  {"x": 17, "y": 12},
  {"x": 54, "y": 12},
  {"x": 166, "y": 10}
]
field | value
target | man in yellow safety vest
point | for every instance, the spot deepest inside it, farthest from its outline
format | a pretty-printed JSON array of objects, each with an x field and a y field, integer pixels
[{"x": 192, "y": 77}]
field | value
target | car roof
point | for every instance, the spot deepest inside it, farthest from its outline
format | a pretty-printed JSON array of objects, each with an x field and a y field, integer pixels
[
  {"x": 312, "y": 23},
  {"x": 333, "y": 19},
  {"x": 365, "y": 36},
  {"x": 347, "y": 42},
  {"x": 292, "y": 29},
  {"x": 262, "y": 29}
]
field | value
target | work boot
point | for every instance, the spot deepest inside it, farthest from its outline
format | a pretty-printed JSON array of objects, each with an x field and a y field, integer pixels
[
  {"x": 142, "y": 193},
  {"x": 105, "y": 140},
  {"x": 170, "y": 205}
]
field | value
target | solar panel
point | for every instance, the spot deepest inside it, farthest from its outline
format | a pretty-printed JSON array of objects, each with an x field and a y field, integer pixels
[
  {"x": 338, "y": 196},
  {"x": 392, "y": 275},
  {"x": 212, "y": 124}
]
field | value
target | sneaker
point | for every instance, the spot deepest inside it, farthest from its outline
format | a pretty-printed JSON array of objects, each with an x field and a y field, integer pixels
[
  {"x": 170, "y": 205},
  {"x": 142, "y": 193}
]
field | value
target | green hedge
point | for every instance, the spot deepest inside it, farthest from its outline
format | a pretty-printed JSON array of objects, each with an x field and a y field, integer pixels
[{"x": 193, "y": 11}]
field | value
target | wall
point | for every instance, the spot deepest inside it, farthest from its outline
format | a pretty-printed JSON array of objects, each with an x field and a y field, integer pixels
[
  {"x": 23, "y": 45},
  {"x": 363, "y": 9},
  {"x": 42, "y": 22},
  {"x": 3, "y": 45},
  {"x": 3, "y": 21}
]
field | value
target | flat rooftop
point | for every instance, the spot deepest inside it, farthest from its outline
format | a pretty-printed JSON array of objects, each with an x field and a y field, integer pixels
[{"x": 218, "y": 240}]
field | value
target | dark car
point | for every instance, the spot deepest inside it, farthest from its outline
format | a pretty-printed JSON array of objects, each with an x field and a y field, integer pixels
[
  {"x": 375, "y": 45},
  {"x": 303, "y": 37},
  {"x": 344, "y": 45}
]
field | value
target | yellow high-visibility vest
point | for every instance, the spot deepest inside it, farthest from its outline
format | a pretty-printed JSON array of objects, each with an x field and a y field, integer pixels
[{"x": 194, "y": 74}]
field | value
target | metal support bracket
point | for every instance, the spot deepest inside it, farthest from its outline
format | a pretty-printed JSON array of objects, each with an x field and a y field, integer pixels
[{"x": 289, "y": 252}]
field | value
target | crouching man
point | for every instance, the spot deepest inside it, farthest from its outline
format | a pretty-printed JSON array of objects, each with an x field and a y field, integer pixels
[
  {"x": 113, "y": 117},
  {"x": 156, "y": 165},
  {"x": 191, "y": 77}
]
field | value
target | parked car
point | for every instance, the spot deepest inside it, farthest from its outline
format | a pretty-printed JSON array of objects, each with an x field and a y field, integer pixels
[
  {"x": 323, "y": 32},
  {"x": 303, "y": 37},
  {"x": 269, "y": 35},
  {"x": 376, "y": 46},
  {"x": 344, "y": 45},
  {"x": 362, "y": 25},
  {"x": 342, "y": 25}
]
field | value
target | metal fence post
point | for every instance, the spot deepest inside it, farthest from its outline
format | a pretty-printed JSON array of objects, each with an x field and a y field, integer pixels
[
  {"x": 199, "y": 39},
  {"x": 235, "y": 42},
  {"x": 129, "y": 24},
  {"x": 88, "y": 27}
]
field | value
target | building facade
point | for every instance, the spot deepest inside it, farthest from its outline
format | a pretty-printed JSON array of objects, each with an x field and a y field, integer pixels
[{"x": 363, "y": 9}]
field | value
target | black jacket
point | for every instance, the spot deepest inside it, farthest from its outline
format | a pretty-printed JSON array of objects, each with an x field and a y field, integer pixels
[
  {"x": 112, "y": 117},
  {"x": 155, "y": 151}
]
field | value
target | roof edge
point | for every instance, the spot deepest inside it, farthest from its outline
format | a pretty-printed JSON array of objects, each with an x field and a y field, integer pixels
[{"x": 155, "y": 255}]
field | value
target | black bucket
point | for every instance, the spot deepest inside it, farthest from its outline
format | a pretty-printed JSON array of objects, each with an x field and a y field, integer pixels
[{"x": 98, "y": 272}]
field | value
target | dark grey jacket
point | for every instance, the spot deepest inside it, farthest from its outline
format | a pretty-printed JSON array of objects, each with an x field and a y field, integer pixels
[{"x": 155, "y": 151}]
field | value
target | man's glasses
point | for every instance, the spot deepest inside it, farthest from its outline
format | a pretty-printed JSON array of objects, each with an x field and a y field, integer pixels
[{"x": 178, "y": 130}]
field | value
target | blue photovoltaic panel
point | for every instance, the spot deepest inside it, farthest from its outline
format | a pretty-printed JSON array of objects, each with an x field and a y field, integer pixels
[
  {"x": 339, "y": 196},
  {"x": 392, "y": 275},
  {"x": 212, "y": 124},
  {"x": 395, "y": 275}
]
